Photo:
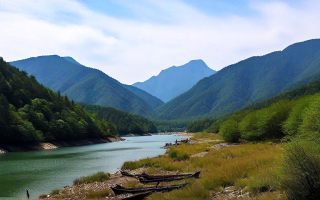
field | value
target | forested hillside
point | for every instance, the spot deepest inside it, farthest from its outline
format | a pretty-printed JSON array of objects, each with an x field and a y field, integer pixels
[
  {"x": 285, "y": 118},
  {"x": 87, "y": 85},
  {"x": 213, "y": 124},
  {"x": 125, "y": 122},
  {"x": 247, "y": 82},
  {"x": 175, "y": 80},
  {"x": 30, "y": 112}
]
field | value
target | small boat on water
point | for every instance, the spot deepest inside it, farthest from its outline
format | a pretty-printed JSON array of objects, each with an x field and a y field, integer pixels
[
  {"x": 170, "y": 176},
  {"x": 121, "y": 190},
  {"x": 138, "y": 196}
]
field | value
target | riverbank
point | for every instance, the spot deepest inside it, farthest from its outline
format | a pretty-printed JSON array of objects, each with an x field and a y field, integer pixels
[
  {"x": 228, "y": 171},
  {"x": 4, "y": 148}
]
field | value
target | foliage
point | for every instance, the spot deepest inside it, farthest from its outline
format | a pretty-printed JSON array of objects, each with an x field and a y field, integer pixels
[
  {"x": 98, "y": 177},
  {"x": 30, "y": 112},
  {"x": 55, "y": 192},
  {"x": 301, "y": 170},
  {"x": 229, "y": 131},
  {"x": 125, "y": 122},
  {"x": 293, "y": 122},
  {"x": 172, "y": 125},
  {"x": 200, "y": 125}
]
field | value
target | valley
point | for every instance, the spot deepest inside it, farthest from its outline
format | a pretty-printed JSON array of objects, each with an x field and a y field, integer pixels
[{"x": 133, "y": 100}]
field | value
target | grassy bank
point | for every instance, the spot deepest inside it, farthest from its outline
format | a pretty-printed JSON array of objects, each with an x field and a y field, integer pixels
[{"x": 251, "y": 168}]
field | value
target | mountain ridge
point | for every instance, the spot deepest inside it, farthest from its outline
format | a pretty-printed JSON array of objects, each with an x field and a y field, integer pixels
[
  {"x": 175, "y": 80},
  {"x": 86, "y": 85},
  {"x": 248, "y": 81}
]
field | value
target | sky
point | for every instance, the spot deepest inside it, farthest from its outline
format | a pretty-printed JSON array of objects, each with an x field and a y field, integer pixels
[{"x": 132, "y": 40}]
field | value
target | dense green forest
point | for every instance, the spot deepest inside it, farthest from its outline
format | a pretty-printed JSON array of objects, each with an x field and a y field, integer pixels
[
  {"x": 87, "y": 85},
  {"x": 247, "y": 82},
  {"x": 212, "y": 125},
  {"x": 291, "y": 118},
  {"x": 172, "y": 125},
  {"x": 125, "y": 122},
  {"x": 30, "y": 112}
]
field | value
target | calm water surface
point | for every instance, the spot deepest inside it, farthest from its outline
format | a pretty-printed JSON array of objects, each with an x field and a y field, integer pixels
[{"x": 43, "y": 171}]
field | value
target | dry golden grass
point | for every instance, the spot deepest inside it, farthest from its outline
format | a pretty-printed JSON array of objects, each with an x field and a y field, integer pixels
[
  {"x": 251, "y": 167},
  {"x": 205, "y": 135},
  {"x": 101, "y": 194}
]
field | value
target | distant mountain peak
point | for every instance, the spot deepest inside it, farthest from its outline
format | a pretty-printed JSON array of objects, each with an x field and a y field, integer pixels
[
  {"x": 175, "y": 80},
  {"x": 70, "y": 59},
  {"x": 249, "y": 81}
]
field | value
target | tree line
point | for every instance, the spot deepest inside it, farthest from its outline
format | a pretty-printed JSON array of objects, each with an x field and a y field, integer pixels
[{"x": 30, "y": 112}]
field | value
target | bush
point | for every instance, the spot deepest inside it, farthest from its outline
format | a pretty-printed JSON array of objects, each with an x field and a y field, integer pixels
[
  {"x": 173, "y": 153},
  {"x": 301, "y": 170},
  {"x": 294, "y": 121},
  {"x": 55, "y": 192},
  {"x": 229, "y": 131}
]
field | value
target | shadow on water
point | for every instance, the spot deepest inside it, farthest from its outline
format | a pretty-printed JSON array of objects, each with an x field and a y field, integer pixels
[{"x": 67, "y": 155}]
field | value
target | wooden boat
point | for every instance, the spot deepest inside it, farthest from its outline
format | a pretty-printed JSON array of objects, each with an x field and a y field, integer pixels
[
  {"x": 130, "y": 175},
  {"x": 138, "y": 196},
  {"x": 121, "y": 190},
  {"x": 159, "y": 180},
  {"x": 151, "y": 177}
]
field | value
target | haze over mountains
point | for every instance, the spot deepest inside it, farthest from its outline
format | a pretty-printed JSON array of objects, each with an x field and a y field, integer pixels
[
  {"x": 174, "y": 81},
  {"x": 87, "y": 85},
  {"x": 248, "y": 81}
]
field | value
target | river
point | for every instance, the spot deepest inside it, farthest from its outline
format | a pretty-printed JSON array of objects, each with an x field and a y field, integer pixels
[{"x": 43, "y": 171}]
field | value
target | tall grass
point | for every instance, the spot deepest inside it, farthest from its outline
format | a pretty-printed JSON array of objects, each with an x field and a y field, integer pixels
[
  {"x": 206, "y": 135},
  {"x": 98, "y": 177},
  {"x": 251, "y": 167},
  {"x": 101, "y": 194}
]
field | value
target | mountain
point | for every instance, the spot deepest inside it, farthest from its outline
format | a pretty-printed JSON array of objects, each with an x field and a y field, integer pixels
[
  {"x": 87, "y": 85},
  {"x": 174, "y": 81},
  {"x": 212, "y": 125},
  {"x": 30, "y": 112},
  {"x": 246, "y": 82}
]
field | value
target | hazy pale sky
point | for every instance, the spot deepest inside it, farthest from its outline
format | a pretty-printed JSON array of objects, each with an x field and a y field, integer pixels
[{"x": 132, "y": 40}]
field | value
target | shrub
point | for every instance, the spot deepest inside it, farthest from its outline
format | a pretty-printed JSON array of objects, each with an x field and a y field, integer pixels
[
  {"x": 229, "y": 131},
  {"x": 55, "y": 192},
  {"x": 173, "y": 153},
  {"x": 291, "y": 125},
  {"x": 301, "y": 170}
]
